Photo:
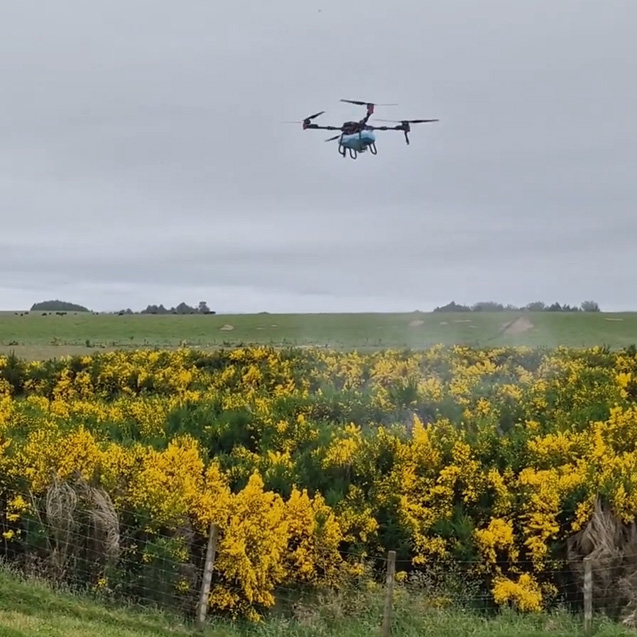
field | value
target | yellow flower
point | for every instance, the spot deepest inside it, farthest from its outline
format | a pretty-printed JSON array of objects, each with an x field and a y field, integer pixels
[
  {"x": 524, "y": 595},
  {"x": 497, "y": 537}
]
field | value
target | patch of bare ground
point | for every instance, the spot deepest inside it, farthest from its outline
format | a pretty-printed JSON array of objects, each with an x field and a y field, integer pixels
[{"x": 519, "y": 326}]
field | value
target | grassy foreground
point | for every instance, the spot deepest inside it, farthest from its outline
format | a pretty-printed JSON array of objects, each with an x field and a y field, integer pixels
[
  {"x": 30, "y": 608},
  {"x": 36, "y": 336}
]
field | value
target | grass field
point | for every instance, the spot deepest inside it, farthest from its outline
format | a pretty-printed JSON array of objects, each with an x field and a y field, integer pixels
[
  {"x": 29, "y": 608},
  {"x": 38, "y": 336}
]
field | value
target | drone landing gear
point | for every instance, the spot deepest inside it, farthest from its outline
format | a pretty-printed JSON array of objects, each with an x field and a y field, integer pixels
[
  {"x": 372, "y": 149},
  {"x": 343, "y": 151}
]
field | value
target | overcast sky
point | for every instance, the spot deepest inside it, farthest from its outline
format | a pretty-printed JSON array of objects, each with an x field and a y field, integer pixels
[{"x": 143, "y": 158}]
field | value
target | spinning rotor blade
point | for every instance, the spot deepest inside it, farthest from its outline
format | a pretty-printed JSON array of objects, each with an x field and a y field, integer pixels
[
  {"x": 370, "y": 106},
  {"x": 331, "y": 139},
  {"x": 305, "y": 121},
  {"x": 359, "y": 103},
  {"x": 311, "y": 117},
  {"x": 408, "y": 121}
]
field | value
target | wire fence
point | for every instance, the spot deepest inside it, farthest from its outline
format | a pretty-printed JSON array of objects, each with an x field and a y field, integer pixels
[{"x": 120, "y": 557}]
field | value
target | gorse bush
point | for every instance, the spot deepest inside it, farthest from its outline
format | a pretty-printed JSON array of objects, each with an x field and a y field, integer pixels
[{"x": 113, "y": 466}]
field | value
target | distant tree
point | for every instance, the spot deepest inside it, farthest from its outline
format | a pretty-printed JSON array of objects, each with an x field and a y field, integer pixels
[
  {"x": 203, "y": 308},
  {"x": 536, "y": 306},
  {"x": 182, "y": 308},
  {"x": 155, "y": 309},
  {"x": 555, "y": 307},
  {"x": 590, "y": 306},
  {"x": 487, "y": 306},
  {"x": 58, "y": 306},
  {"x": 453, "y": 307}
]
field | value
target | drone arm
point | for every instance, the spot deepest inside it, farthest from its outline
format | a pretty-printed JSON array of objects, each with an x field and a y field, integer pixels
[
  {"x": 386, "y": 127},
  {"x": 401, "y": 127}
]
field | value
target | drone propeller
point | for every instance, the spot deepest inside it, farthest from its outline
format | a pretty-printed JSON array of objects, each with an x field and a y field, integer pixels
[
  {"x": 408, "y": 121},
  {"x": 307, "y": 120},
  {"x": 370, "y": 105},
  {"x": 359, "y": 103},
  {"x": 331, "y": 139}
]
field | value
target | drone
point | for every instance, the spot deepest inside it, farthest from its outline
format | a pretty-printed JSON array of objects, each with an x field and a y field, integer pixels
[{"x": 358, "y": 136}]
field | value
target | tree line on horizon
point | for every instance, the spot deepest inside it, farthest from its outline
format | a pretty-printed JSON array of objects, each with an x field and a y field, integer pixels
[
  {"x": 65, "y": 306},
  {"x": 182, "y": 308},
  {"x": 535, "y": 306},
  {"x": 202, "y": 308}
]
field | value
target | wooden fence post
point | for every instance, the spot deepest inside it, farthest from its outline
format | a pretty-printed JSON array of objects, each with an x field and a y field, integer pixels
[
  {"x": 389, "y": 594},
  {"x": 588, "y": 596},
  {"x": 202, "y": 609}
]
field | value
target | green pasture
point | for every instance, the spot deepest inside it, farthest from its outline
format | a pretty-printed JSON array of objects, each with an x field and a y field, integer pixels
[
  {"x": 37, "y": 335},
  {"x": 29, "y": 608}
]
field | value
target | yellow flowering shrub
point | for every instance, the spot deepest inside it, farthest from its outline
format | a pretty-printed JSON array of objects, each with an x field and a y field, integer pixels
[
  {"x": 310, "y": 461},
  {"x": 315, "y": 535},
  {"x": 497, "y": 542},
  {"x": 524, "y": 594},
  {"x": 168, "y": 482},
  {"x": 252, "y": 550}
]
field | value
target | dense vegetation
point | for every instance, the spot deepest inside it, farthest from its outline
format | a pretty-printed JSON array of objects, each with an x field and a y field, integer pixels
[
  {"x": 58, "y": 306},
  {"x": 314, "y": 464},
  {"x": 182, "y": 308},
  {"x": 536, "y": 306}
]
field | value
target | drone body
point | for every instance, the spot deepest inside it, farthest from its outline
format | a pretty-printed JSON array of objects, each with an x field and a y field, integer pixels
[
  {"x": 358, "y": 136},
  {"x": 357, "y": 143}
]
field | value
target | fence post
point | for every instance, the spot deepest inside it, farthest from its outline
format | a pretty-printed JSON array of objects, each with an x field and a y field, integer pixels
[
  {"x": 588, "y": 596},
  {"x": 202, "y": 609},
  {"x": 389, "y": 594}
]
